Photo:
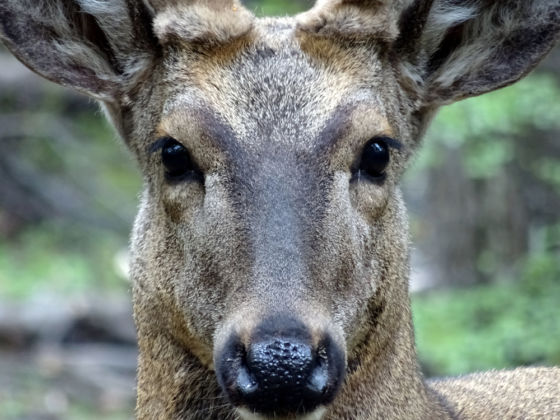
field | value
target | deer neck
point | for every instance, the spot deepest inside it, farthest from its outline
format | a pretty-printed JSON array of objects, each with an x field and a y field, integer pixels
[
  {"x": 384, "y": 380},
  {"x": 173, "y": 382}
]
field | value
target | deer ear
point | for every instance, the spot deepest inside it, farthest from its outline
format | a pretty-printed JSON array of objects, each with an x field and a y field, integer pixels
[
  {"x": 94, "y": 46},
  {"x": 454, "y": 50}
]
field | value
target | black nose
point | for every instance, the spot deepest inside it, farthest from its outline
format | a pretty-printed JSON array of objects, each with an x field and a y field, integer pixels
[{"x": 281, "y": 372}]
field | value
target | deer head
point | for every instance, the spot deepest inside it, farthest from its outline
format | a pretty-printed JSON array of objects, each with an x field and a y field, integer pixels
[{"x": 270, "y": 252}]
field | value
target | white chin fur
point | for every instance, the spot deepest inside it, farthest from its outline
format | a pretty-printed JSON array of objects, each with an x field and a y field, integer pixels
[{"x": 248, "y": 415}]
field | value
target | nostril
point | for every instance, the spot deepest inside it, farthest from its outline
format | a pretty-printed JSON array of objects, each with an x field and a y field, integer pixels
[
  {"x": 245, "y": 382},
  {"x": 319, "y": 378}
]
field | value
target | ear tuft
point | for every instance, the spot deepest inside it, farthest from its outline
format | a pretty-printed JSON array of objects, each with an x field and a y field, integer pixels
[
  {"x": 98, "y": 47},
  {"x": 203, "y": 22},
  {"x": 57, "y": 51},
  {"x": 451, "y": 50}
]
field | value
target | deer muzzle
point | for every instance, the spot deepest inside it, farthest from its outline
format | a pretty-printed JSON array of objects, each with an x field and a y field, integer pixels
[{"x": 281, "y": 371}]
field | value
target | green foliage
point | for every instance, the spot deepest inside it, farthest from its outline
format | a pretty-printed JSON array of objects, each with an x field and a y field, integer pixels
[
  {"x": 483, "y": 127},
  {"x": 509, "y": 137},
  {"x": 500, "y": 325},
  {"x": 73, "y": 254},
  {"x": 84, "y": 152},
  {"x": 26, "y": 402},
  {"x": 61, "y": 260},
  {"x": 548, "y": 169},
  {"x": 276, "y": 7}
]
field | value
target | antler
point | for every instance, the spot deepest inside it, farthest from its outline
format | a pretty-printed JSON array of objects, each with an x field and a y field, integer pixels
[
  {"x": 209, "y": 21},
  {"x": 355, "y": 18}
]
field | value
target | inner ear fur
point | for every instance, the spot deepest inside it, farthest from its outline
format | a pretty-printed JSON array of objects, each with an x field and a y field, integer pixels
[
  {"x": 94, "y": 46},
  {"x": 449, "y": 50}
]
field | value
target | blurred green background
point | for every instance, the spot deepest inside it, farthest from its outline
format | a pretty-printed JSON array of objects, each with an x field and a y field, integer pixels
[{"x": 484, "y": 197}]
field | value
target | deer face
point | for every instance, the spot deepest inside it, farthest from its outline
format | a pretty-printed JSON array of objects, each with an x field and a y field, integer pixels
[
  {"x": 272, "y": 223},
  {"x": 271, "y": 242}
]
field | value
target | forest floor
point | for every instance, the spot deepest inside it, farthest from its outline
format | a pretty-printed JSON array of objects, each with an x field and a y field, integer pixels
[{"x": 61, "y": 360}]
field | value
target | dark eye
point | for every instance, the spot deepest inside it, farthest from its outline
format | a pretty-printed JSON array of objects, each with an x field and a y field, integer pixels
[
  {"x": 375, "y": 158},
  {"x": 176, "y": 159}
]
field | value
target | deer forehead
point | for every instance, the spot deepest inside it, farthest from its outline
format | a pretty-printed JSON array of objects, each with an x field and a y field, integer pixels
[{"x": 276, "y": 85}]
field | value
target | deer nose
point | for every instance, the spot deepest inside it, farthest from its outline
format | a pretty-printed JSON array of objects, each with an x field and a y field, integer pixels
[{"x": 282, "y": 374}]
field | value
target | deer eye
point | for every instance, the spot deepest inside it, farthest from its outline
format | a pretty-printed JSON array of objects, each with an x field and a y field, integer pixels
[
  {"x": 375, "y": 158},
  {"x": 176, "y": 159}
]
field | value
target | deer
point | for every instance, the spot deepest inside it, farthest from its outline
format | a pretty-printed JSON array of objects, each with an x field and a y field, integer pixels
[{"x": 270, "y": 254}]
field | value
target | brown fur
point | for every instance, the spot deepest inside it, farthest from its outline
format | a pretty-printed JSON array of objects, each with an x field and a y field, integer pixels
[{"x": 275, "y": 112}]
